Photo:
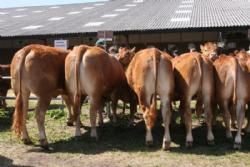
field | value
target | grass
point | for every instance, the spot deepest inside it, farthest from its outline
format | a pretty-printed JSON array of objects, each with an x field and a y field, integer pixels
[{"x": 118, "y": 145}]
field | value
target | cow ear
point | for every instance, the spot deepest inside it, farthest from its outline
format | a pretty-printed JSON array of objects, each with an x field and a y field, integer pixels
[
  {"x": 201, "y": 47},
  {"x": 133, "y": 50}
]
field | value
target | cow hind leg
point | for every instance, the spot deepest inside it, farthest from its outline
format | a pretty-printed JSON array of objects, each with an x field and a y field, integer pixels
[
  {"x": 108, "y": 108},
  {"x": 133, "y": 110},
  {"x": 166, "y": 116},
  {"x": 226, "y": 117},
  {"x": 25, "y": 135},
  {"x": 233, "y": 115},
  {"x": 209, "y": 119},
  {"x": 199, "y": 107},
  {"x": 240, "y": 114},
  {"x": 70, "y": 119},
  {"x": 114, "y": 109},
  {"x": 100, "y": 113},
  {"x": 149, "y": 118},
  {"x": 95, "y": 106},
  {"x": 188, "y": 122},
  {"x": 42, "y": 106}
]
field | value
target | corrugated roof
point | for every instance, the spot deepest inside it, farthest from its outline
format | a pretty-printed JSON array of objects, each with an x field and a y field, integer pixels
[{"x": 124, "y": 15}]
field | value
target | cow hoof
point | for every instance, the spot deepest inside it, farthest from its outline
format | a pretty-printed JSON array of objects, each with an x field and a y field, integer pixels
[
  {"x": 47, "y": 148},
  {"x": 149, "y": 143},
  {"x": 189, "y": 144},
  {"x": 69, "y": 123},
  {"x": 211, "y": 142},
  {"x": 166, "y": 145},
  {"x": 27, "y": 141},
  {"x": 237, "y": 146},
  {"x": 44, "y": 144}
]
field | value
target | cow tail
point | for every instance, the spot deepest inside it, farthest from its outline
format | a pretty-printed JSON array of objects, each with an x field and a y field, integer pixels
[
  {"x": 236, "y": 68},
  {"x": 18, "y": 114},
  {"x": 199, "y": 61},
  {"x": 79, "y": 50},
  {"x": 156, "y": 59}
]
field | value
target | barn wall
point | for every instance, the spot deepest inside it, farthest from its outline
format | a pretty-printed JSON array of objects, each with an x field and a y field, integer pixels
[{"x": 141, "y": 40}]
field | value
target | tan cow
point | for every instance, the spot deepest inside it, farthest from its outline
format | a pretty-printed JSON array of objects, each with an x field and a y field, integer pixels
[
  {"x": 91, "y": 71},
  {"x": 225, "y": 80},
  {"x": 39, "y": 70},
  {"x": 194, "y": 77},
  {"x": 242, "y": 94},
  {"x": 150, "y": 73},
  {"x": 225, "y": 76}
]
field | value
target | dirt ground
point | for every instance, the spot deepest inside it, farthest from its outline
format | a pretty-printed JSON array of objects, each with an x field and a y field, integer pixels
[{"x": 118, "y": 146}]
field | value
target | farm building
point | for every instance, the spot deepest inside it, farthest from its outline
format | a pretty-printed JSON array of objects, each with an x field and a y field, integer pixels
[{"x": 139, "y": 23}]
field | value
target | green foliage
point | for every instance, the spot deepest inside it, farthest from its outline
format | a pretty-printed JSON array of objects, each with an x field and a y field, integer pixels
[
  {"x": 56, "y": 114},
  {"x": 2, "y": 113}
]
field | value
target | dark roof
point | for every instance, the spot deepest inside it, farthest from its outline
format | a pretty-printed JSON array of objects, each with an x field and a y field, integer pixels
[{"x": 124, "y": 15}]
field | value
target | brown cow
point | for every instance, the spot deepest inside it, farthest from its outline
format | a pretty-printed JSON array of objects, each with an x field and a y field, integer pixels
[
  {"x": 150, "y": 73},
  {"x": 242, "y": 94},
  {"x": 194, "y": 76},
  {"x": 36, "y": 69},
  {"x": 4, "y": 83},
  {"x": 225, "y": 76},
  {"x": 91, "y": 71}
]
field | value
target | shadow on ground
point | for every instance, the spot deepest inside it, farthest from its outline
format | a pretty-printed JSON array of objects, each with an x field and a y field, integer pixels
[
  {"x": 131, "y": 139},
  {"x": 120, "y": 137},
  {"x": 6, "y": 162}
]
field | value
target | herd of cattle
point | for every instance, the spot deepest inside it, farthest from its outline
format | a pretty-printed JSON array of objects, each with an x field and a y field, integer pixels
[{"x": 135, "y": 78}]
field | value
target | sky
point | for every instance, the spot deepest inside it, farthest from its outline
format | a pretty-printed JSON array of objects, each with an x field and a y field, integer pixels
[{"x": 22, "y": 3}]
